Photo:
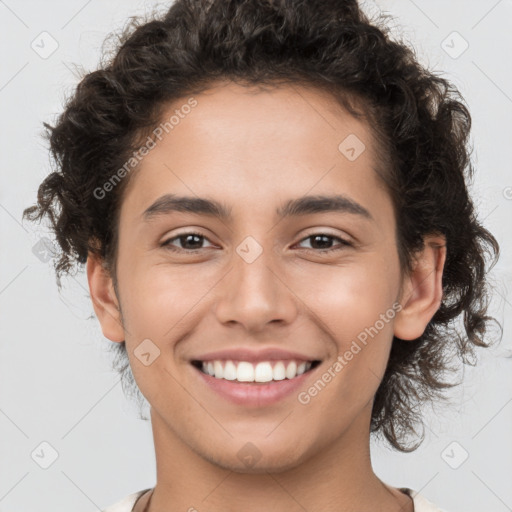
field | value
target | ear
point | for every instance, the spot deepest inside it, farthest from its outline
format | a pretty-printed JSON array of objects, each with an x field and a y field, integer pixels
[
  {"x": 422, "y": 290},
  {"x": 104, "y": 299}
]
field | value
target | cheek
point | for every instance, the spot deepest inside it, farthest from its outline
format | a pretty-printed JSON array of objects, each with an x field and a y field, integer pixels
[
  {"x": 348, "y": 297},
  {"x": 353, "y": 305},
  {"x": 161, "y": 301}
]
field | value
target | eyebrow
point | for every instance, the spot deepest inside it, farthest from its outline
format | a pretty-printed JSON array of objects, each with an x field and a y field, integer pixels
[{"x": 305, "y": 205}]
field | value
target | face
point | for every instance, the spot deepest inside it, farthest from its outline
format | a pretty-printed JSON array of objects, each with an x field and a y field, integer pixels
[{"x": 264, "y": 283}]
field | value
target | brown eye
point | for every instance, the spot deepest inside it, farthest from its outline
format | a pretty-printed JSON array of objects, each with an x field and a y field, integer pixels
[
  {"x": 190, "y": 242},
  {"x": 322, "y": 242}
]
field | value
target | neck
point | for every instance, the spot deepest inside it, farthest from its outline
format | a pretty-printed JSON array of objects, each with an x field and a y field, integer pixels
[{"x": 334, "y": 479}]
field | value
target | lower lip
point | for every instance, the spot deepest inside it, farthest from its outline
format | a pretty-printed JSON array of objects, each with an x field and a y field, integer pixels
[{"x": 255, "y": 394}]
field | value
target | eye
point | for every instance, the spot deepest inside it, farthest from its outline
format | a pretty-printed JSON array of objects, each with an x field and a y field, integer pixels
[
  {"x": 190, "y": 242},
  {"x": 324, "y": 240}
]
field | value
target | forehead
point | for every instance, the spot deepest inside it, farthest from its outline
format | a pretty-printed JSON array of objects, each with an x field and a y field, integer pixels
[
  {"x": 269, "y": 116},
  {"x": 250, "y": 145}
]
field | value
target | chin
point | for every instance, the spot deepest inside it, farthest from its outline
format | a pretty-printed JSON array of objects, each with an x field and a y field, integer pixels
[{"x": 253, "y": 458}]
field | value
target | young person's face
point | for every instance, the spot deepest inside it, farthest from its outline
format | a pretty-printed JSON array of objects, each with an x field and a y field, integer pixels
[{"x": 257, "y": 281}]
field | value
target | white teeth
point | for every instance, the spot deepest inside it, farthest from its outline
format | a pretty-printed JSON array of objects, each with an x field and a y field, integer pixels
[
  {"x": 301, "y": 368},
  {"x": 219, "y": 371},
  {"x": 230, "y": 372},
  {"x": 244, "y": 372},
  {"x": 291, "y": 370},
  {"x": 261, "y": 372},
  {"x": 279, "y": 371}
]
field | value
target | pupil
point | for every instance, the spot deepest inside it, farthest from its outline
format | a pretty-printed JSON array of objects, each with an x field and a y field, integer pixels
[
  {"x": 326, "y": 240},
  {"x": 187, "y": 237}
]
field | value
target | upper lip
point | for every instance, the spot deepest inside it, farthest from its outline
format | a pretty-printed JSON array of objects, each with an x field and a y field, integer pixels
[{"x": 249, "y": 355}]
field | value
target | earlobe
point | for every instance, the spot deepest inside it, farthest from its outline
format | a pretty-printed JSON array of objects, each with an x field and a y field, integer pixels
[
  {"x": 423, "y": 290},
  {"x": 104, "y": 299}
]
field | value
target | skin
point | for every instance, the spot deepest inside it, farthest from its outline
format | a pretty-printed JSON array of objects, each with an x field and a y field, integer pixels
[{"x": 252, "y": 151}]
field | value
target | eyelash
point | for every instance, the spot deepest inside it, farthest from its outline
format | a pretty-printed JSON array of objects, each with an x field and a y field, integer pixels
[{"x": 343, "y": 243}]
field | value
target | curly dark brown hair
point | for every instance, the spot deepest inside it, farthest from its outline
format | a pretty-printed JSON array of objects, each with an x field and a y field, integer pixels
[{"x": 419, "y": 121}]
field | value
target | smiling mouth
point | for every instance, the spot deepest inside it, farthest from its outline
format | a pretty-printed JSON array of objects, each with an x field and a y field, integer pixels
[{"x": 261, "y": 372}]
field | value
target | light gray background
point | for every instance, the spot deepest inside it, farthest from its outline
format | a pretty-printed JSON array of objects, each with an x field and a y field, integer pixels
[{"x": 56, "y": 385}]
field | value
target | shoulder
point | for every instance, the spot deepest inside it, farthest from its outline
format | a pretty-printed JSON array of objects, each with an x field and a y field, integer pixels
[
  {"x": 126, "y": 504},
  {"x": 421, "y": 504}
]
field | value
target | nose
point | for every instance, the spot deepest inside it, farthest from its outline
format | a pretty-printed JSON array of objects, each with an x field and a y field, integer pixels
[{"x": 254, "y": 294}]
